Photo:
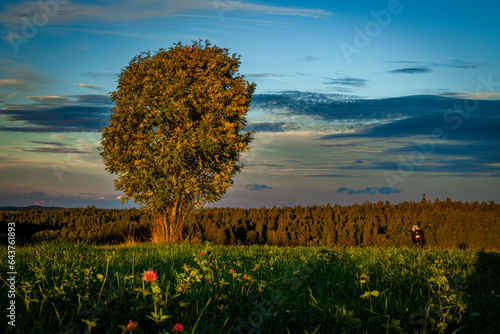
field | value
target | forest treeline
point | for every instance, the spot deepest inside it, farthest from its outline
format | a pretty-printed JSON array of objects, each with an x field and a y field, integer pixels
[{"x": 446, "y": 224}]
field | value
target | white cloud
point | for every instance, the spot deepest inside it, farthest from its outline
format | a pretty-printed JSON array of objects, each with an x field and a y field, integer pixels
[
  {"x": 47, "y": 99},
  {"x": 91, "y": 86},
  {"x": 362, "y": 151},
  {"x": 16, "y": 76},
  {"x": 62, "y": 137},
  {"x": 288, "y": 11},
  {"x": 12, "y": 83},
  {"x": 14, "y": 16}
]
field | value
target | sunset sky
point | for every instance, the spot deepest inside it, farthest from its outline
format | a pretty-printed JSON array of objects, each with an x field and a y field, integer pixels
[{"x": 355, "y": 100}]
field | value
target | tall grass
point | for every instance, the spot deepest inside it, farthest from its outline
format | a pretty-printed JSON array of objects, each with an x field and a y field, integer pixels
[{"x": 80, "y": 288}]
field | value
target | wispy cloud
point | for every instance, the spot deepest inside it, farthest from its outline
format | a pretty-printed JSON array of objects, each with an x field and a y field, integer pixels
[
  {"x": 71, "y": 13},
  {"x": 111, "y": 32},
  {"x": 416, "y": 67},
  {"x": 369, "y": 191},
  {"x": 407, "y": 123},
  {"x": 411, "y": 70},
  {"x": 361, "y": 151},
  {"x": 329, "y": 175},
  {"x": 47, "y": 99},
  {"x": 268, "y": 127},
  {"x": 264, "y": 75},
  {"x": 272, "y": 76},
  {"x": 80, "y": 113},
  {"x": 56, "y": 147},
  {"x": 12, "y": 83},
  {"x": 346, "y": 81},
  {"x": 38, "y": 193},
  {"x": 16, "y": 76},
  {"x": 257, "y": 187},
  {"x": 401, "y": 62},
  {"x": 56, "y": 150},
  {"x": 53, "y": 143},
  {"x": 456, "y": 63},
  {"x": 286, "y": 11},
  {"x": 91, "y": 86},
  {"x": 305, "y": 59},
  {"x": 330, "y": 145}
]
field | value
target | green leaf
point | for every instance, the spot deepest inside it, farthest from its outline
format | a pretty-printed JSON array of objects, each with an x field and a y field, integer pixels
[{"x": 368, "y": 294}]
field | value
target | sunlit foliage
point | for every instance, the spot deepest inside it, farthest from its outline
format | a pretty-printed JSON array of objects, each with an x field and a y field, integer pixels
[{"x": 177, "y": 130}]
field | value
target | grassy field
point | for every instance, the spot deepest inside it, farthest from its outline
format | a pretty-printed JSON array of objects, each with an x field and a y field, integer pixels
[{"x": 79, "y": 288}]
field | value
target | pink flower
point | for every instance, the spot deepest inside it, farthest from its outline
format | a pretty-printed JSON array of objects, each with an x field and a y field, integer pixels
[
  {"x": 150, "y": 276},
  {"x": 132, "y": 325},
  {"x": 178, "y": 328}
]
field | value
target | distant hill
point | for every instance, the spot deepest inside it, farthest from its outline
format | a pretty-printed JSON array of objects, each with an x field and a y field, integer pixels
[{"x": 30, "y": 208}]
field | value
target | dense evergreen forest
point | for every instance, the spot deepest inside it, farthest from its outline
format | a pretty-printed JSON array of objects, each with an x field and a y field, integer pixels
[{"x": 446, "y": 224}]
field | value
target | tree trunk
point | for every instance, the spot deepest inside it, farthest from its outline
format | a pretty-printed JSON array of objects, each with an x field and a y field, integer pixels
[{"x": 168, "y": 226}]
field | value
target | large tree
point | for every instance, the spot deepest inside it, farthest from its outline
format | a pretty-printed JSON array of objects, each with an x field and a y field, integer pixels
[{"x": 177, "y": 131}]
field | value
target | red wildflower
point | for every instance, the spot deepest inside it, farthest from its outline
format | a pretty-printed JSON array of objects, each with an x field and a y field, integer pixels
[
  {"x": 201, "y": 253},
  {"x": 178, "y": 328},
  {"x": 231, "y": 271},
  {"x": 245, "y": 276},
  {"x": 132, "y": 325},
  {"x": 150, "y": 276}
]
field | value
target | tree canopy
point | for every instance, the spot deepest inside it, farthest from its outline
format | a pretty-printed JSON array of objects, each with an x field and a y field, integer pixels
[{"x": 177, "y": 130}]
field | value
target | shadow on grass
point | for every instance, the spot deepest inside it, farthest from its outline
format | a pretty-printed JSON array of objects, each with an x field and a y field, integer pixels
[
  {"x": 484, "y": 295},
  {"x": 23, "y": 232}
]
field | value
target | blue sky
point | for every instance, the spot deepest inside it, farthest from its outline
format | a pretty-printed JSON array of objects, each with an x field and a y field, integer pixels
[{"x": 355, "y": 100}]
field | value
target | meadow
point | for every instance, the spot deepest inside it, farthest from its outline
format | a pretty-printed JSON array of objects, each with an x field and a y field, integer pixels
[{"x": 66, "y": 287}]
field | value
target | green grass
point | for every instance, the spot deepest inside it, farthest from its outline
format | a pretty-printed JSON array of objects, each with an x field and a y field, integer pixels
[{"x": 272, "y": 289}]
